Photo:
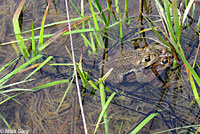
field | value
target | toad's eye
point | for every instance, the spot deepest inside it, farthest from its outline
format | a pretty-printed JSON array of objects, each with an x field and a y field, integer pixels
[
  {"x": 147, "y": 59},
  {"x": 165, "y": 61}
]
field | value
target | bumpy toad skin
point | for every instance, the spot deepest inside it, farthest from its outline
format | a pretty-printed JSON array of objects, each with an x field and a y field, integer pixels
[
  {"x": 164, "y": 61},
  {"x": 134, "y": 61}
]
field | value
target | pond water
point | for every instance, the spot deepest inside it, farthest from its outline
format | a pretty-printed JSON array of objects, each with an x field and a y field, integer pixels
[{"x": 169, "y": 92}]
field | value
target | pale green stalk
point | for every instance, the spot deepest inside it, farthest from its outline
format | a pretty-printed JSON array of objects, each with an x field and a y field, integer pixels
[
  {"x": 144, "y": 122},
  {"x": 102, "y": 13},
  {"x": 4, "y": 120},
  {"x": 103, "y": 111},
  {"x": 186, "y": 12},
  {"x": 117, "y": 6},
  {"x": 50, "y": 84},
  {"x": 92, "y": 44},
  {"x": 42, "y": 25},
  {"x": 19, "y": 68},
  {"x": 33, "y": 43},
  {"x": 39, "y": 67},
  {"x": 103, "y": 100},
  {"x": 65, "y": 94},
  {"x": 17, "y": 30}
]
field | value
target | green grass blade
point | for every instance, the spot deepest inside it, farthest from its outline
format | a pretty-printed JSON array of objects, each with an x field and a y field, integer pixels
[
  {"x": 61, "y": 64},
  {"x": 64, "y": 96},
  {"x": 4, "y": 120},
  {"x": 56, "y": 35},
  {"x": 161, "y": 10},
  {"x": 177, "y": 26},
  {"x": 92, "y": 44},
  {"x": 198, "y": 25},
  {"x": 15, "y": 90},
  {"x": 94, "y": 16},
  {"x": 92, "y": 84},
  {"x": 50, "y": 84},
  {"x": 103, "y": 110},
  {"x": 106, "y": 75},
  {"x": 83, "y": 34},
  {"x": 82, "y": 7},
  {"x": 10, "y": 97},
  {"x": 86, "y": 41},
  {"x": 50, "y": 35},
  {"x": 187, "y": 11},
  {"x": 169, "y": 19},
  {"x": 186, "y": 4},
  {"x": 17, "y": 30},
  {"x": 53, "y": 24},
  {"x": 121, "y": 30},
  {"x": 19, "y": 68},
  {"x": 194, "y": 89},
  {"x": 196, "y": 77},
  {"x": 159, "y": 36},
  {"x": 76, "y": 8},
  {"x": 99, "y": 39},
  {"x": 117, "y": 6},
  {"x": 8, "y": 64},
  {"x": 102, "y": 13},
  {"x": 103, "y": 100},
  {"x": 13, "y": 84},
  {"x": 97, "y": 34},
  {"x": 144, "y": 122},
  {"x": 125, "y": 9},
  {"x": 177, "y": 128},
  {"x": 198, "y": 66},
  {"x": 39, "y": 67},
  {"x": 33, "y": 42},
  {"x": 116, "y": 23},
  {"x": 42, "y": 25},
  {"x": 193, "y": 9},
  {"x": 82, "y": 75}
]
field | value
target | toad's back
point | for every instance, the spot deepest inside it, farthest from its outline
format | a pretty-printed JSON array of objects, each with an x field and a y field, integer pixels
[{"x": 130, "y": 61}]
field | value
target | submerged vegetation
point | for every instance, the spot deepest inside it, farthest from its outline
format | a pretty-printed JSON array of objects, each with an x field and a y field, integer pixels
[{"x": 94, "y": 30}]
